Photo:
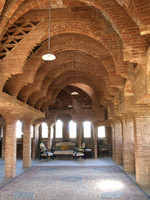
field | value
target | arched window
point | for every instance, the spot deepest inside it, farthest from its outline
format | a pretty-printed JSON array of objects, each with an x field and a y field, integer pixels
[
  {"x": 19, "y": 129},
  {"x": 31, "y": 131},
  {"x": 101, "y": 132},
  {"x": 44, "y": 130},
  {"x": 52, "y": 132},
  {"x": 87, "y": 129},
  {"x": 72, "y": 129},
  {"x": 59, "y": 127}
]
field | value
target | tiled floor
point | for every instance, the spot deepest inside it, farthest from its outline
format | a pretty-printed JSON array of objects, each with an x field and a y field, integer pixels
[{"x": 89, "y": 162}]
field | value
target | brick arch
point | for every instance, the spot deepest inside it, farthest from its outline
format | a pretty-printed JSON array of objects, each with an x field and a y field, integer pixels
[
  {"x": 137, "y": 11},
  {"x": 113, "y": 14},
  {"x": 62, "y": 71},
  {"x": 43, "y": 102},
  {"x": 8, "y": 13},
  {"x": 57, "y": 68},
  {"x": 102, "y": 33},
  {"x": 85, "y": 44}
]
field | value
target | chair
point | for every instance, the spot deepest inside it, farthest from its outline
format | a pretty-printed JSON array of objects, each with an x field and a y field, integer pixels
[
  {"x": 44, "y": 152},
  {"x": 80, "y": 152}
]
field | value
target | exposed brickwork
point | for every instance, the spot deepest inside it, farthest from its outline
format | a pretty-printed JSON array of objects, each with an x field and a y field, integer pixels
[
  {"x": 95, "y": 142},
  {"x": 109, "y": 41},
  {"x": 142, "y": 150},
  {"x": 27, "y": 144},
  {"x": 118, "y": 142},
  {"x": 113, "y": 142},
  {"x": 128, "y": 145},
  {"x": 10, "y": 148}
]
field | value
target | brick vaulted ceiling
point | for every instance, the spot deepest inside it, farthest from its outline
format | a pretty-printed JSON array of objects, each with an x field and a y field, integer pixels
[{"x": 105, "y": 38}]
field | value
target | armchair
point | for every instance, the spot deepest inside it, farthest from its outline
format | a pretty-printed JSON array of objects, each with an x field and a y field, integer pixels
[
  {"x": 80, "y": 152},
  {"x": 44, "y": 152}
]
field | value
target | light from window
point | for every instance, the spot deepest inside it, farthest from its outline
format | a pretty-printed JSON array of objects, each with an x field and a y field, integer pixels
[
  {"x": 19, "y": 129},
  {"x": 72, "y": 129},
  {"x": 59, "y": 127},
  {"x": 31, "y": 131},
  {"x": 101, "y": 132},
  {"x": 52, "y": 132},
  {"x": 1, "y": 131},
  {"x": 87, "y": 129},
  {"x": 44, "y": 130}
]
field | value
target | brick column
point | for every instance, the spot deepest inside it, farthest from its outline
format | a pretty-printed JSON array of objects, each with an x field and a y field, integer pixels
[
  {"x": 27, "y": 144},
  {"x": 79, "y": 124},
  {"x": 142, "y": 150},
  {"x": 128, "y": 144},
  {"x": 113, "y": 141},
  {"x": 10, "y": 148},
  {"x": 36, "y": 144},
  {"x": 33, "y": 143},
  {"x": 49, "y": 137},
  {"x": 65, "y": 129},
  {"x": 95, "y": 142},
  {"x": 3, "y": 142},
  {"x": 118, "y": 142}
]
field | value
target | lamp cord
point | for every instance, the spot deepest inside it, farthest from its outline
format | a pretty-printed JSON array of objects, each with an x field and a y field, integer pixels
[
  {"x": 49, "y": 27},
  {"x": 74, "y": 75}
]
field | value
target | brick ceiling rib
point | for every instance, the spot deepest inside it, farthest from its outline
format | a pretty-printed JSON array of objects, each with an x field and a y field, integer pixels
[
  {"x": 114, "y": 13},
  {"x": 2, "y": 3},
  {"x": 100, "y": 30},
  {"x": 53, "y": 73},
  {"x": 64, "y": 70},
  {"x": 83, "y": 44},
  {"x": 99, "y": 35}
]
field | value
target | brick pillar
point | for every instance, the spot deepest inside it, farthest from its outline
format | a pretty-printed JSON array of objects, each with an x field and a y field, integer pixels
[
  {"x": 65, "y": 129},
  {"x": 113, "y": 141},
  {"x": 128, "y": 145},
  {"x": 79, "y": 134},
  {"x": 36, "y": 144},
  {"x": 27, "y": 144},
  {"x": 10, "y": 148},
  {"x": 33, "y": 143},
  {"x": 49, "y": 137},
  {"x": 142, "y": 150},
  {"x": 95, "y": 142},
  {"x": 118, "y": 142},
  {"x": 3, "y": 142}
]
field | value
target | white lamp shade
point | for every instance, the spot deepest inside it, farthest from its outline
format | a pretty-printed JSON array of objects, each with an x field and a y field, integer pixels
[
  {"x": 49, "y": 57},
  {"x": 69, "y": 106},
  {"x": 74, "y": 93}
]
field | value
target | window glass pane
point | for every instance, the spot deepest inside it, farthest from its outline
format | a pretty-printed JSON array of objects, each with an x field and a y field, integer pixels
[
  {"x": 31, "y": 131},
  {"x": 101, "y": 131},
  {"x": 87, "y": 129},
  {"x": 59, "y": 126},
  {"x": 19, "y": 129},
  {"x": 44, "y": 130},
  {"x": 72, "y": 129}
]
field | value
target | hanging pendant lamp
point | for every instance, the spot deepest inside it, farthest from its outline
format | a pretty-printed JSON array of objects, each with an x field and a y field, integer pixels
[
  {"x": 48, "y": 56},
  {"x": 74, "y": 93}
]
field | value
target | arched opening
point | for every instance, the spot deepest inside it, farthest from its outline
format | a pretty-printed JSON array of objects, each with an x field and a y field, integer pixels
[
  {"x": 87, "y": 128},
  {"x": 44, "y": 130},
  {"x": 19, "y": 138},
  {"x": 59, "y": 129},
  {"x": 104, "y": 141},
  {"x": 2, "y": 136},
  {"x": 72, "y": 129}
]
